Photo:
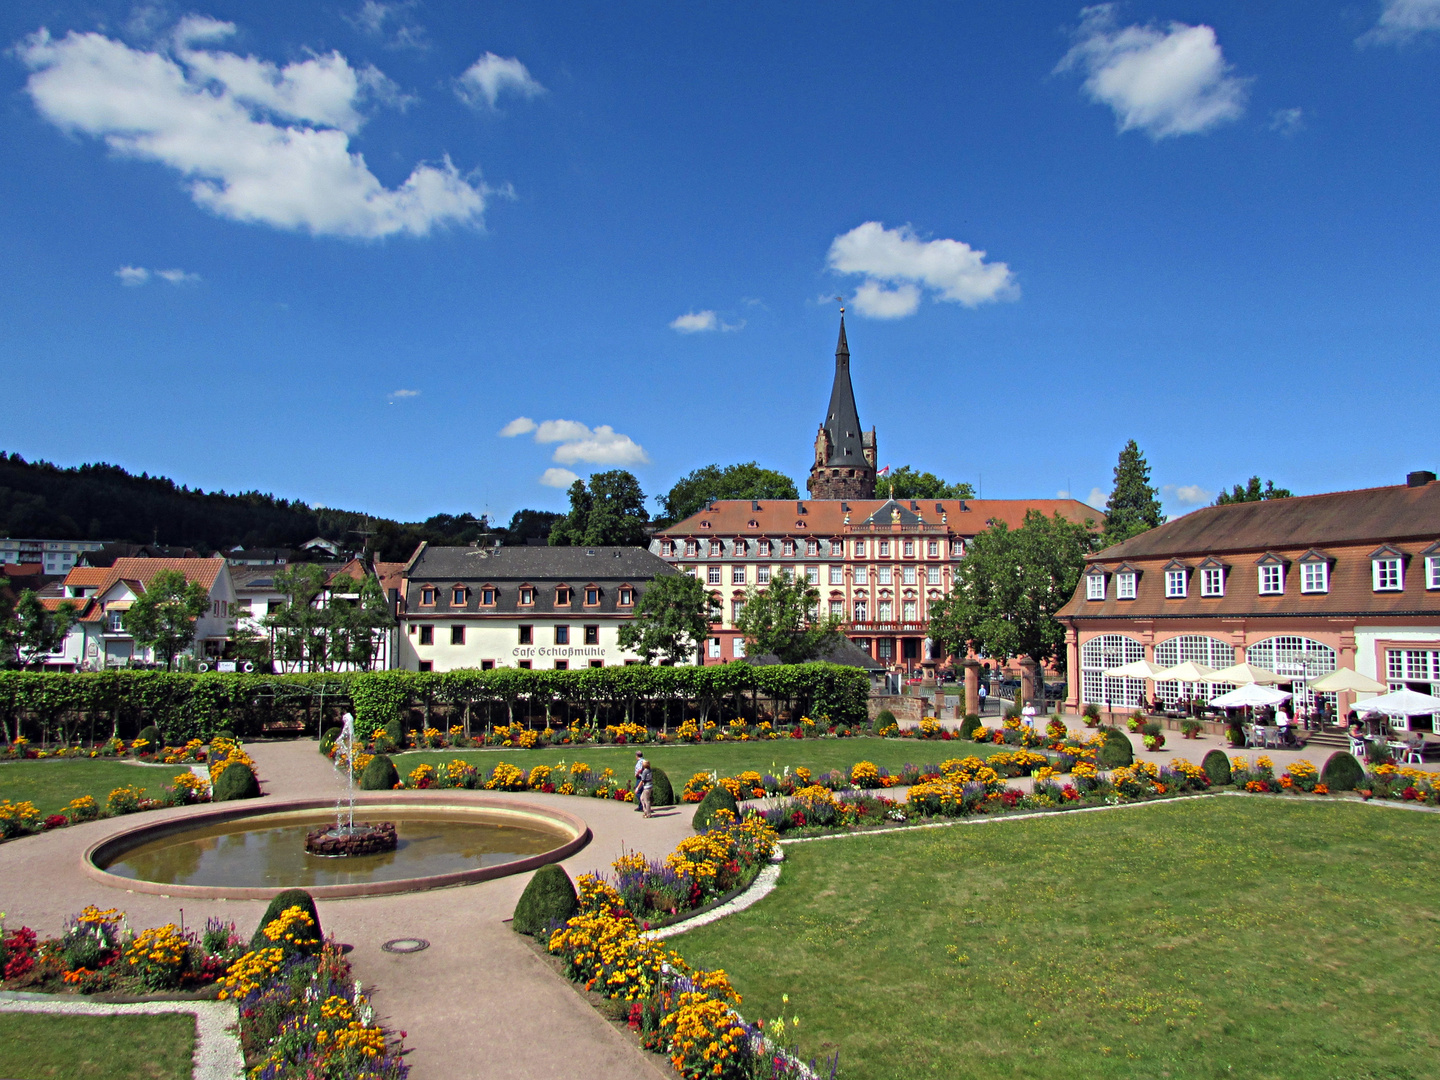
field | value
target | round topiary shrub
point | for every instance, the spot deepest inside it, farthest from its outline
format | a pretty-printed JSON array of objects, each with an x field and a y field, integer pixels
[
  {"x": 237, "y": 781},
  {"x": 662, "y": 793},
  {"x": 548, "y": 901},
  {"x": 1116, "y": 751},
  {"x": 969, "y": 725},
  {"x": 395, "y": 732},
  {"x": 885, "y": 719},
  {"x": 1217, "y": 766},
  {"x": 1342, "y": 772},
  {"x": 715, "y": 799},
  {"x": 327, "y": 741},
  {"x": 153, "y": 739},
  {"x": 379, "y": 774},
  {"x": 278, "y": 906}
]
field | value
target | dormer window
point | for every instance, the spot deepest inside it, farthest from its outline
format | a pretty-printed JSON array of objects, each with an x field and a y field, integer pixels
[
  {"x": 563, "y": 595},
  {"x": 1212, "y": 581},
  {"x": 1386, "y": 574},
  {"x": 787, "y": 548},
  {"x": 1125, "y": 585},
  {"x": 692, "y": 549},
  {"x": 527, "y": 595},
  {"x": 1175, "y": 585},
  {"x": 1094, "y": 586},
  {"x": 739, "y": 549},
  {"x": 592, "y": 595},
  {"x": 763, "y": 549},
  {"x": 667, "y": 549},
  {"x": 488, "y": 595},
  {"x": 427, "y": 596},
  {"x": 1315, "y": 577},
  {"x": 714, "y": 549},
  {"x": 812, "y": 547},
  {"x": 627, "y": 596},
  {"x": 752, "y": 524},
  {"x": 1432, "y": 571},
  {"x": 704, "y": 524},
  {"x": 457, "y": 596},
  {"x": 957, "y": 549},
  {"x": 1272, "y": 579}
]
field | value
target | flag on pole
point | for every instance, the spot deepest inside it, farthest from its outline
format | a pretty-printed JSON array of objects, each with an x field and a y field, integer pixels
[{"x": 884, "y": 472}]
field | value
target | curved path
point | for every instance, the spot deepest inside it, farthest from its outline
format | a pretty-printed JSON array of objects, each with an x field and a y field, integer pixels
[{"x": 478, "y": 1002}]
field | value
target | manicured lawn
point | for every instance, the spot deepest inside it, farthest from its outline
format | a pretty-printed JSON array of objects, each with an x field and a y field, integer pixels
[
  {"x": 36, "y": 1046},
  {"x": 50, "y": 785},
  {"x": 1224, "y": 937},
  {"x": 728, "y": 759}
]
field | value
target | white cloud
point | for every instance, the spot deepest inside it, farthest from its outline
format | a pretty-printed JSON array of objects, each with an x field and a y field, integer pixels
[
  {"x": 561, "y": 431},
  {"x": 139, "y": 275},
  {"x": 1165, "y": 82},
  {"x": 521, "y": 425},
  {"x": 558, "y": 478},
  {"x": 695, "y": 322},
  {"x": 605, "y": 446},
  {"x": 401, "y": 395},
  {"x": 1401, "y": 21},
  {"x": 950, "y": 269},
  {"x": 1062, "y": 494},
  {"x": 1287, "y": 121},
  {"x": 1187, "y": 494},
  {"x": 1097, "y": 498},
  {"x": 373, "y": 17},
  {"x": 485, "y": 80},
  {"x": 255, "y": 142}
]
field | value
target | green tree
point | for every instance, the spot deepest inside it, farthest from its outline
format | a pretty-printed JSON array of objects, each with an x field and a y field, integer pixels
[
  {"x": 356, "y": 612},
  {"x": 609, "y": 511},
  {"x": 529, "y": 525},
  {"x": 906, "y": 483},
  {"x": 744, "y": 481},
  {"x": 1009, "y": 587},
  {"x": 300, "y": 625},
  {"x": 671, "y": 620},
  {"x": 41, "y": 631},
  {"x": 785, "y": 621},
  {"x": 1133, "y": 506},
  {"x": 1253, "y": 492},
  {"x": 163, "y": 616}
]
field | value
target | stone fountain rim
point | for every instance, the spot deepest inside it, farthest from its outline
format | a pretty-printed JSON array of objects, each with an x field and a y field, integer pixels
[{"x": 111, "y": 847}]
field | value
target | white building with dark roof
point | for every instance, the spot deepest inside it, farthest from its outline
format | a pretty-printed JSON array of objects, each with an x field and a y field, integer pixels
[{"x": 528, "y": 607}]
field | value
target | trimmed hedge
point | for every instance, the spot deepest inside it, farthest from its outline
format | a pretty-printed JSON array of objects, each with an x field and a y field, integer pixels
[
  {"x": 237, "y": 781},
  {"x": 1342, "y": 772},
  {"x": 379, "y": 775},
  {"x": 547, "y": 901},
  {"x": 1217, "y": 766},
  {"x": 716, "y": 798},
  {"x": 663, "y": 793},
  {"x": 278, "y": 906},
  {"x": 1117, "y": 751},
  {"x": 194, "y": 706}
]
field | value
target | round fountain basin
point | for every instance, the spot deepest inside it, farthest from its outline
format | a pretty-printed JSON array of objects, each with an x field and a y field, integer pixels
[{"x": 254, "y": 853}]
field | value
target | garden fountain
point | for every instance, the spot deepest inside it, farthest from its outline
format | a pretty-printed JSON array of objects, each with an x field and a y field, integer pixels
[{"x": 345, "y": 838}]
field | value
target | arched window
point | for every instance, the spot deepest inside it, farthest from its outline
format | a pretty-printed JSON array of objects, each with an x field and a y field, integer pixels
[
  {"x": 1212, "y": 652},
  {"x": 1109, "y": 651},
  {"x": 1297, "y": 658}
]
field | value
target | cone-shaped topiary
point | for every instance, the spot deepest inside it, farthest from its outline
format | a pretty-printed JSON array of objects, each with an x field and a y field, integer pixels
[
  {"x": 395, "y": 731},
  {"x": 1117, "y": 751},
  {"x": 1217, "y": 766},
  {"x": 237, "y": 781},
  {"x": 327, "y": 741},
  {"x": 278, "y": 906},
  {"x": 969, "y": 724},
  {"x": 884, "y": 720},
  {"x": 715, "y": 799},
  {"x": 662, "y": 793},
  {"x": 1342, "y": 772},
  {"x": 547, "y": 901},
  {"x": 379, "y": 774},
  {"x": 153, "y": 739}
]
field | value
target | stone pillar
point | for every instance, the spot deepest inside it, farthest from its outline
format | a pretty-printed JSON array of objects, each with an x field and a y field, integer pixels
[
  {"x": 1072, "y": 669},
  {"x": 972, "y": 686},
  {"x": 1029, "y": 680}
]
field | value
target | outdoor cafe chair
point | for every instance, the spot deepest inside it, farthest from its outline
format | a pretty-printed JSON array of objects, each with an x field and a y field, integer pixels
[
  {"x": 1357, "y": 747},
  {"x": 1272, "y": 737}
]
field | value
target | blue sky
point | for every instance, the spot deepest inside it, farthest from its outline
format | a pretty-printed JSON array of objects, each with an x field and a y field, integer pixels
[{"x": 335, "y": 252}]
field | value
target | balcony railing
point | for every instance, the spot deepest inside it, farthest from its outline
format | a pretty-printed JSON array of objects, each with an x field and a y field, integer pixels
[{"x": 886, "y": 627}]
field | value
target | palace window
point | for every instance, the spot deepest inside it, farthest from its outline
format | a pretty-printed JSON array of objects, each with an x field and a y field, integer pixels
[
  {"x": 883, "y": 574},
  {"x": 737, "y": 608},
  {"x": 1314, "y": 577},
  {"x": 457, "y": 635},
  {"x": 1175, "y": 584},
  {"x": 861, "y": 611},
  {"x": 1386, "y": 575},
  {"x": 884, "y": 549},
  {"x": 812, "y": 575},
  {"x": 887, "y": 611},
  {"x": 787, "y": 549},
  {"x": 1272, "y": 579},
  {"x": 737, "y": 575},
  {"x": 1212, "y": 581},
  {"x": 837, "y": 608},
  {"x": 837, "y": 574},
  {"x": 592, "y": 635},
  {"x": 427, "y": 635},
  {"x": 910, "y": 613},
  {"x": 627, "y": 596},
  {"x": 563, "y": 595},
  {"x": 763, "y": 549},
  {"x": 932, "y": 575},
  {"x": 957, "y": 549},
  {"x": 714, "y": 648},
  {"x": 860, "y": 549},
  {"x": 592, "y": 595},
  {"x": 762, "y": 575},
  {"x": 1095, "y": 587},
  {"x": 862, "y": 575},
  {"x": 712, "y": 575},
  {"x": 427, "y": 665},
  {"x": 692, "y": 549},
  {"x": 1110, "y": 651},
  {"x": 909, "y": 549},
  {"x": 527, "y": 595},
  {"x": 932, "y": 549},
  {"x": 457, "y": 596},
  {"x": 909, "y": 575},
  {"x": 812, "y": 547},
  {"x": 562, "y": 635},
  {"x": 739, "y": 549},
  {"x": 714, "y": 549},
  {"x": 667, "y": 548},
  {"x": 527, "y": 635}
]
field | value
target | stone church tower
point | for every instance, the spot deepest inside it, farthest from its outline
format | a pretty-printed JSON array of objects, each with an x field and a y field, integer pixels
[{"x": 844, "y": 465}]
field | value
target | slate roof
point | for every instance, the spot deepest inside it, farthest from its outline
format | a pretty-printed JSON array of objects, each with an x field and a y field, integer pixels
[
  {"x": 826, "y": 517},
  {"x": 842, "y": 419}
]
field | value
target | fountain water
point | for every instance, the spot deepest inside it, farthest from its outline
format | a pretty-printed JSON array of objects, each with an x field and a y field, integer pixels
[{"x": 345, "y": 837}]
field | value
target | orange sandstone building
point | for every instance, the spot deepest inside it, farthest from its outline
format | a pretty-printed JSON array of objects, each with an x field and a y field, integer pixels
[{"x": 1300, "y": 586}]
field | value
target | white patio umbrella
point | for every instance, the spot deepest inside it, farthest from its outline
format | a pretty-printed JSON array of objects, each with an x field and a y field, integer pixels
[
  {"x": 1345, "y": 678},
  {"x": 1249, "y": 694},
  {"x": 1139, "y": 669},
  {"x": 1401, "y": 703},
  {"x": 1189, "y": 671},
  {"x": 1241, "y": 674}
]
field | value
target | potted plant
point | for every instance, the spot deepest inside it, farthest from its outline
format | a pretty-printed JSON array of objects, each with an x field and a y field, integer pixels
[
  {"x": 1092, "y": 715},
  {"x": 1136, "y": 721},
  {"x": 1190, "y": 729},
  {"x": 1154, "y": 737}
]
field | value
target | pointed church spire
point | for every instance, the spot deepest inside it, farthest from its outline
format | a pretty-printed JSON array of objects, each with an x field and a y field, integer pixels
[
  {"x": 844, "y": 465},
  {"x": 842, "y": 347}
]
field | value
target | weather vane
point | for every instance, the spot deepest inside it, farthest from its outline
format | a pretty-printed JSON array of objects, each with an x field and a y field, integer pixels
[{"x": 841, "y": 301}]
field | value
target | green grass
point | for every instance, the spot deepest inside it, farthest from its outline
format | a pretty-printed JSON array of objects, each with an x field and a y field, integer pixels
[
  {"x": 1225, "y": 937},
  {"x": 37, "y": 1045},
  {"x": 50, "y": 785},
  {"x": 728, "y": 759}
]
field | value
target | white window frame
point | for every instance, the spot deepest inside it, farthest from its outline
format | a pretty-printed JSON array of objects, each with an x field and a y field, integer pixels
[
  {"x": 715, "y": 648},
  {"x": 862, "y": 610},
  {"x": 862, "y": 575},
  {"x": 1387, "y": 574},
  {"x": 712, "y": 575},
  {"x": 1432, "y": 571},
  {"x": 812, "y": 575},
  {"x": 884, "y": 576},
  {"x": 932, "y": 575},
  {"x": 1309, "y": 572},
  {"x": 908, "y": 575},
  {"x": 1212, "y": 581},
  {"x": 1094, "y": 586},
  {"x": 860, "y": 549},
  {"x": 737, "y": 575},
  {"x": 787, "y": 549},
  {"x": 837, "y": 574},
  {"x": 1125, "y": 585},
  {"x": 738, "y": 647},
  {"x": 884, "y": 549},
  {"x": 763, "y": 549},
  {"x": 909, "y": 548},
  {"x": 837, "y": 608},
  {"x": 1271, "y": 579},
  {"x": 886, "y": 611},
  {"x": 932, "y": 549},
  {"x": 1175, "y": 586},
  {"x": 762, "y": 575},
  {"x": 957, "y": 549},
  {"x": 911, "y": 611}
]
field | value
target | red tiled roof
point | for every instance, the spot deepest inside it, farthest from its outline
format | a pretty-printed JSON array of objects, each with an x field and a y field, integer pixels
[
  {"x": 86, "y": 576},
  {"x": 778, "y": 517},
  {"x": 205, "y": 571},
  {"x": 24, "y": 569}
]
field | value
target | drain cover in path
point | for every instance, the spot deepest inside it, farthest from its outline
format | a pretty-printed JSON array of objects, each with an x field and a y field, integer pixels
[{"x": 405, "y": 945}]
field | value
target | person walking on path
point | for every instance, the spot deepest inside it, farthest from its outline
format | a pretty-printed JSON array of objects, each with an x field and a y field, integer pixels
[{"x": 646, "y": 786}]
